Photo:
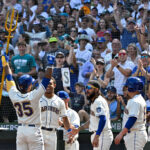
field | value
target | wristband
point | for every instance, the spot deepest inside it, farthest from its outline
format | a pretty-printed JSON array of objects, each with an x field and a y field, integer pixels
[
  {"x": 9, "y": 77},
  {"x": 76, "y": 126},
  {"x": 69, "y": 130}
]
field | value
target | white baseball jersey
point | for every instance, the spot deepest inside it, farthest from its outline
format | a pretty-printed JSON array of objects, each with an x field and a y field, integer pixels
[
  {"x": 51, "y": 110},
  {"x": 99, "y": 107},
  {"x": 137, "y": 137},
  {"x": 74, "y": 120},
  {"x": 136, "y": 107},
  {"x": 27, "y": 105}
]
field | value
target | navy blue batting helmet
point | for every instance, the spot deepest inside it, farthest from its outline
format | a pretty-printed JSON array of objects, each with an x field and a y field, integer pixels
[
  {"x": 134, "y": 84},
  {"x": 24, "y": 82}
]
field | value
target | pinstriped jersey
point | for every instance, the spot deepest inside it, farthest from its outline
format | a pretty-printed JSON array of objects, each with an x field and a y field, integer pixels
[
  {"x": 51, "y": 110},
  {"x": 136, "y": 107},
  {"x": 99, "y": 107}
]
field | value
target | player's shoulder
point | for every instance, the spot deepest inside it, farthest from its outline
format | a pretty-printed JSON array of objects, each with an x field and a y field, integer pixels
[{"x": 100, "y": 99}]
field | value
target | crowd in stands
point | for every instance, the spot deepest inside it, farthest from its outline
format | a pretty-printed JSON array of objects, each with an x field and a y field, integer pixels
[{"x": 103, "y": 40}]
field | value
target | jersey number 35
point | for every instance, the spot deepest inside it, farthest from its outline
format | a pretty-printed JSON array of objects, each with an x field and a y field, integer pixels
[{"x": 23, "y": 108}]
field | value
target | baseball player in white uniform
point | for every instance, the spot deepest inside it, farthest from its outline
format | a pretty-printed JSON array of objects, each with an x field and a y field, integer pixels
[
  {"x": 134, "y": 117},
  {"x": 52, "y": 107},
  {"x": 70, "y": 143},
  {"x": 99, "y": 122},
  {"x": 26, "y": 103}
]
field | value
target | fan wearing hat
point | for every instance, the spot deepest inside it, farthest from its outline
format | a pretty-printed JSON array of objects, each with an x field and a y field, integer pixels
[
  {"x": 53, "y": 48},
  {"x": 70, "y": 143},
  {"x": 114, "y": 105},
  {"x": 102, "y": 46},
  {"x": 128, "y": 33},
  {"x": 84, "y": 26},
  {"x": 82, "y": 54},
  {"x": 142, "y": 70},
  {"x": 99, "y": 122},
  {"x": 99, "y": 74}
]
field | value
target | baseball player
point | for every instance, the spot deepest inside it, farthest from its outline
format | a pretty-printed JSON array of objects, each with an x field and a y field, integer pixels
[
  {"x": 52, "y": 107},
  {"x": 72, "y": 143},
  {"x": 99, "y": 123},
  {"x": 134, "y": 119},
  {"x": 26, "y": 103}
]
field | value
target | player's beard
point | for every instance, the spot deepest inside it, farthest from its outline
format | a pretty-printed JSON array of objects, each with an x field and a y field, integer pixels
[{"x": 89, "y": 97}]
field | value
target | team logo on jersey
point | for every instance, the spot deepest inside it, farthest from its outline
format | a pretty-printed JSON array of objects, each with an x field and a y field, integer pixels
[{"x": 98, "y": 109}]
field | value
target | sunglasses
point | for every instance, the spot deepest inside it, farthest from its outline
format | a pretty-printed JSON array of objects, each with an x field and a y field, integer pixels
[
  {"x": 144, "y": 56},
  {"x": 73, "y": 30},
  {"x": 99, "y": 63},
  {"x": 89, "y": 87},
  {"x": 60, "y": 57},
  {"x": 120, "y": 54}
]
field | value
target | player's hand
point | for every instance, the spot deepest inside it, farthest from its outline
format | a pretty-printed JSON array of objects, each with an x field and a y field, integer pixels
[
  {"x": 50, "y": 60},
  {"x": 118, "y": 139},
  {"x": 73, "y": 132},
  {"x": 95, "y": 142}
]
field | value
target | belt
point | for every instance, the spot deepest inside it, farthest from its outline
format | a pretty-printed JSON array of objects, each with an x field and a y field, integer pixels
[
  {"x": 49, "y": 129},
  {"x": 29, "y": 125}
]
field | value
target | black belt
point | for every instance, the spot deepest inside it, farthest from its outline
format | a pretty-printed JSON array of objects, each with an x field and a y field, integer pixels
[
  {"x": 30, "y": 125},
  {"x": 48, "y": 129}
]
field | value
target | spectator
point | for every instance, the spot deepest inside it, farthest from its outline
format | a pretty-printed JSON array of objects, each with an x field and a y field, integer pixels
[
  {"x": 101, "y": 28},
  {"x": 116, "y": 47},
  {"x": 128, "y": 34},
  {"x": 142, "y": 70},
  {"x": 53, "y": 49},
  {"x": 23, "y": 63},
  {"x": 82, "y": 55},
  {"x": 133, "y": 53},
  {"x": 120, "y": 69},
  {"x": 114, "y": 105},
  {"x": 102, "y": 46},
  {"x": 78, "y": 97},
  {"x": 84, "y": 26},
  {"x": 99, "y": 74}
]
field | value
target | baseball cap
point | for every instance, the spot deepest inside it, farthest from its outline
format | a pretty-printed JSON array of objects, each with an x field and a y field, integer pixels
[
  {"x": 53, "y": 39},
  {"x": 79, "y": 84},
  {"x": 101, "y": 39},
  {"x": 107, "y": 32},
  {"x": 131, "y": 21},
  {"x": 145, "y": 53},
  {"x": 63, "y": 95},
  {"x": 44, "y": 41},
  {"x": 100, "y": 60},
  {"x": 94, "y": 83},
  {"x": 60, "y": 53},
  {"x": 63, "y": 14},
  {"x": 84, "y": 37},
  {"x": 112, "y": 89},
  {"x": 87, "y": 1}
]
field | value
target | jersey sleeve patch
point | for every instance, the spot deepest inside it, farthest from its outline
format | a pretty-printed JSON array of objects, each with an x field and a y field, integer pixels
[{"x": 98, "y": 109}]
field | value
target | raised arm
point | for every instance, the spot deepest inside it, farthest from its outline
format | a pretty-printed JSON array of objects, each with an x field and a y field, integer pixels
[{"x": 117, "y": 17}]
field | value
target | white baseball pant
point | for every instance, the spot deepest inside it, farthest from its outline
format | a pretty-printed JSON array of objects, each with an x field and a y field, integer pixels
[
  {"x": 73, "y": 146},
  {"x": 135, "y": 140},
  {"x": 29, "y": 138},
  {"x": 105, "y": 140},
  {"x": 50, "y": 140}
]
